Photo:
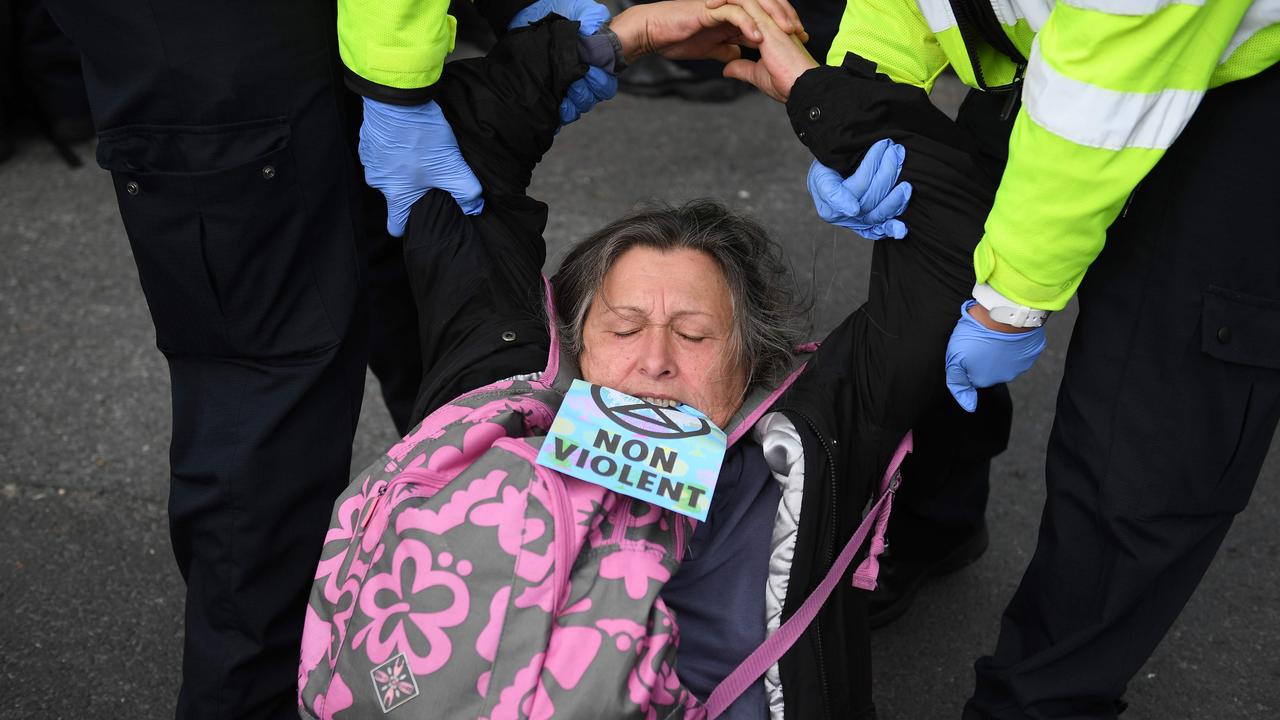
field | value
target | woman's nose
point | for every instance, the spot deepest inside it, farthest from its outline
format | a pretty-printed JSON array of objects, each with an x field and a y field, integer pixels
[{"x": 656, "y": 358}]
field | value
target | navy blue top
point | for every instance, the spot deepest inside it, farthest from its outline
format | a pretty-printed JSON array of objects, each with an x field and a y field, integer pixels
[{"x": 717, "y": 594}]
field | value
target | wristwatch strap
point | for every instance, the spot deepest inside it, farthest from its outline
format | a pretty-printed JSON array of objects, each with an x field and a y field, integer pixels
[
  {"x": 1003, "y": 310},
  {"x": 602, "y": 49}
]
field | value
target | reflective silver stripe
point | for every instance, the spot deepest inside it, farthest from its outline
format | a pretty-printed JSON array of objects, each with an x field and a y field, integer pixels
[
  {"x": 1259, "y": 15},
  {"x": 1035, "y": 12},
  {"x": 940, "y": 17},
  {"x": 938, "y": 14},
  {"x": 1128, "y": 7},
  {"x": 1096, "y": 117}
]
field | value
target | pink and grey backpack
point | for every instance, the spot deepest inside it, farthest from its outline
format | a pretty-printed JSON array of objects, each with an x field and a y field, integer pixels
[{"x": 459, "y": 579}]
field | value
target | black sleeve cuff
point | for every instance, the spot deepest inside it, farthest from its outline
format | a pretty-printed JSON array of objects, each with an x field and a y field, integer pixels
[
  {"x": 819, "y": 111},
  {"x": 386, "y": 93},
  {"x": 839, "y": 112},
  {"x": 602, "y": 49}
]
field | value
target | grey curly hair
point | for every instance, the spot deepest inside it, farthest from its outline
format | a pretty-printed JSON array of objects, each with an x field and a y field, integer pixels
[{"x": 770, "y": 316}]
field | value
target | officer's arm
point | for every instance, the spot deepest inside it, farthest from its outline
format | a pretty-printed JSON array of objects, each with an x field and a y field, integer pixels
[
  {"x": 394, "y": 50},
  {"x": 893, "y": 35},
  {"x": 1104, "y": 97}
]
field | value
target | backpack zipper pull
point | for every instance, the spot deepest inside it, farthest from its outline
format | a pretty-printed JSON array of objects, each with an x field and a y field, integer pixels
[{"x": 373, "y": 507}]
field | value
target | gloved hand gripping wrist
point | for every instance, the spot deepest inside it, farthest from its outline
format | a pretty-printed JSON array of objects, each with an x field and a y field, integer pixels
[
  {"x": 869, "y": 201},
  {"x": 407, "y": 150},
  {"x": 600, "y": 82}
]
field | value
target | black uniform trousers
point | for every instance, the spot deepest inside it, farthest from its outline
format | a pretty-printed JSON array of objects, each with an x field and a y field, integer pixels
[
  {"x": 1167, "y": 407},
  {"x": 229, "y": 137}
]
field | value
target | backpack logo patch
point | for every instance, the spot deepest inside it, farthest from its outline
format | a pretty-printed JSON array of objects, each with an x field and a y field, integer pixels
[{"x": 394, "y": 683}]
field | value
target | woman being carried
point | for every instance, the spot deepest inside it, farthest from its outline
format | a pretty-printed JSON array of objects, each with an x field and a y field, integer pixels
[{"x": 461, "y": 576}]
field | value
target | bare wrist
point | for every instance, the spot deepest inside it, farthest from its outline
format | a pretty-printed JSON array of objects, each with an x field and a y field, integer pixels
[
  {"x": 630, "y": 26},
  {"x": 802, "y": 65}
]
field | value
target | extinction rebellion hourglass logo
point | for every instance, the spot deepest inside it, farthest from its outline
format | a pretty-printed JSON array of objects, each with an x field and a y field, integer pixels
[
  {"x": 666, "y": 456},
  {"x": 645, "y": 419}
]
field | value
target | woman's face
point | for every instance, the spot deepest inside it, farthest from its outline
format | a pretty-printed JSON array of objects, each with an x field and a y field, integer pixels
[{"x": 659, "y": 329}]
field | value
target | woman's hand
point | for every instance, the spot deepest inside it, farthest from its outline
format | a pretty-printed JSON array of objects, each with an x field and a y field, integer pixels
[
  {"x": 783, "y": 57},
  {"x": 689, "y": 30}
]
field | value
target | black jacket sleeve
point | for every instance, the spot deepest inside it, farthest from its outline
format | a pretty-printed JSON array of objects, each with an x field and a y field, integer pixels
[
  {"x": 504, "y": 107},
  {"x": 889, "y": 353},
  {"x": 839, "y": 112},
  {"x": 881, "y": 372},
  {"x": 477, "y": 280},
  {"x": 498, "y": 13}
]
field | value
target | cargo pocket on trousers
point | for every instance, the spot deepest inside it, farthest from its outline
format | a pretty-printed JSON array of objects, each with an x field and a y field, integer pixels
[
  {"x": 216, "y": 219},
  {"x": 1243, "y": 332}
]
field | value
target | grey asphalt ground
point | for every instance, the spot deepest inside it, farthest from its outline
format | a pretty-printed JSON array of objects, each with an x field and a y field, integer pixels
[{"x": 90, "y": 600}]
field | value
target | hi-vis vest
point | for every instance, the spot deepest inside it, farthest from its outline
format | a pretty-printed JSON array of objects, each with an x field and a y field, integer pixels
[
  {"x": 1108, "y": 86},
  {"x": 396, "y": 43}
]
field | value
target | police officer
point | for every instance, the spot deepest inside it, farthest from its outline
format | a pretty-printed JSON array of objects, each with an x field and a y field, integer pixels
[
  {"x": 1140, "y": 172},
  {"x": 1171, "y": 390},
  {"x": 230, "y": 137}
]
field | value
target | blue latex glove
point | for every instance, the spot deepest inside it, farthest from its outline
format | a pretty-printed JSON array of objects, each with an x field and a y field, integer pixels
[
  {"x": 408, "y": 150},
  {"x": 867, "y": 202},
  {"x": 585, "y": 92},
  {"x": 597, "y": 85},
  {"x": 978, "y": 356},
  {"x": 589, "y": 14}
]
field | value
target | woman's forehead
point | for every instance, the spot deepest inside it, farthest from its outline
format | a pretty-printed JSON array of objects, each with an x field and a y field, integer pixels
[{"x": 649, "y": 284}]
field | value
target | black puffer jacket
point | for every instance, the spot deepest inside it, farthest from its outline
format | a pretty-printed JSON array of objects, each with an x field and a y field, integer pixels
[{"x": 477, "y": 284}]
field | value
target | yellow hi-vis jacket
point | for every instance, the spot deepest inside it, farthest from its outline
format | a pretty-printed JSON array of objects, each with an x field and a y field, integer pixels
[
  {"x": 1109, "y": 85},
  {"x": 394, "y": 50},
  {"x": 395, "y": 43}
]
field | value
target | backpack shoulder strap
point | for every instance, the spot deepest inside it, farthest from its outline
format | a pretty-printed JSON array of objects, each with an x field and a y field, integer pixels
[{"x": 772, "y": 649}]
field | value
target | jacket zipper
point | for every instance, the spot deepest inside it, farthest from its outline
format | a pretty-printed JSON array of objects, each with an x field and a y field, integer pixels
[
  {"x": 829, "y": 553},
  {"x": 971, "y": 20}
]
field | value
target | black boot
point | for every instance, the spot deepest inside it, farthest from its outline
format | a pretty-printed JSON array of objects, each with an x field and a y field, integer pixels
[
  {"x": 938, "y": 523},
  {"x": 50, "y": 79},
  {"x": 900, "y": 580},
  {"x": 700, "y": 81}
]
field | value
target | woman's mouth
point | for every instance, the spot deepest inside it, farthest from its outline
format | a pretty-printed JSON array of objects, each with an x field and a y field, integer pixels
[{"x": 660, "y": 402}]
